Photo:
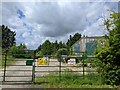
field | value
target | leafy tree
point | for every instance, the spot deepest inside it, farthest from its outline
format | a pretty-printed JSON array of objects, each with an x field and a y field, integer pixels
[
  {"x": 51, "y": 48},
  {"x": 14, "y": 49},
  {"x": 8, "y": 37},
  {"x": 20, "y": 51},
  {"x": 22, "y": 48},
  {"x": 72, "y": 40},
  {"x": 109, "y": 52},
  {"x": 46, "y": 48},
  {"x": 62, "y": 45},
  {"x": 54, "y": 47},
  {"x": 39, "y": 48},
  {"x": 0, "y": 37}
]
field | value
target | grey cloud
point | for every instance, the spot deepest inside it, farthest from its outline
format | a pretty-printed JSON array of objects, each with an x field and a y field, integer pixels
[
  {"x": 9, "y": 13},
  {"x": 58, "y": 21},
  {"x": 50, "y": 20}
]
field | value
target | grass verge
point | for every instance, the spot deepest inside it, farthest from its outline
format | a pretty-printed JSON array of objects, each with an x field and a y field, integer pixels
[
  {"x": 10, "y": 61},
  {"x": 71, "y": 80}
]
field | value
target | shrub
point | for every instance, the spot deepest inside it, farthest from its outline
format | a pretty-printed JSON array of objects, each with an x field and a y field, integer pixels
[
  {"x": 108, "y": 53},
  {"x": 60, "y": 52}
]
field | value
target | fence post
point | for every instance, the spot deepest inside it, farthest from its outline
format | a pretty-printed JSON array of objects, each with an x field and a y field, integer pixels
[
  {"x": 60, "y": 70},
  {"x": 48, "y": 60},
  {"x": 33, "y": 69},
  {"x": 83, "y": 65},
  {"x": 5, "y": 65},
  {"x": 84, "y": 57}
]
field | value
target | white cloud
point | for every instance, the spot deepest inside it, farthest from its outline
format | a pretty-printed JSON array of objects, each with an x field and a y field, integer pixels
[
  {"x": 53, "y": 20},
  {"x": 25, "y": 34}
]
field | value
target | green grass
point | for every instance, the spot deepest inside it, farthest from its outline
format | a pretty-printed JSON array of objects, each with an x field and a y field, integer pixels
[
  {"x": 0, "y": 61},
  {"x": 10, "y": 61},
  {"x": 70, "y": 80}
]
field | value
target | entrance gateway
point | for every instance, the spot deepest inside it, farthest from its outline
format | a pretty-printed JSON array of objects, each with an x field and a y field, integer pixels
[{"x": 23, "y": 71}]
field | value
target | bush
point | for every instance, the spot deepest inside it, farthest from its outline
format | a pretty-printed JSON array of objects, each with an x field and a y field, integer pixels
[
  {"x": 60, "y": 52},
  {"x": 108, "y": 53}
]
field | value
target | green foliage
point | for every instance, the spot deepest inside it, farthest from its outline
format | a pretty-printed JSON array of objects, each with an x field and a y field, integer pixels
[
  {"x": 71, "y": 41},
  {"x": 46, "y": 48},
  {"x": 50, "y": 48},
  {"x": 60, "y": 52},
  {"x": 109, "y": 51},
  {"x": 20, "y": 51},
  {"x": 72, "y": 80},
  {"x": 10, "y": 60},
  {"x": 8, "y": 37}
]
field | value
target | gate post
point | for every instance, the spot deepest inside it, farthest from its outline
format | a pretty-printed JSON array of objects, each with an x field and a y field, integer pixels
[
  {"x": 83, "y": 65},
  {"x": 5, "y": 65},
  {"x": 84, "y": 57},
  {"x": 60, "y": 70},
  {"x": 33, "y": 69}
]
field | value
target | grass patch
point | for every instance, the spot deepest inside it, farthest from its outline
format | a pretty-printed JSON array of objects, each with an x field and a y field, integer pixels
[
  {"x": 72, "y": 80},
  {"x": 10, "y": 61},
  {"x": 0, "y": 57}
]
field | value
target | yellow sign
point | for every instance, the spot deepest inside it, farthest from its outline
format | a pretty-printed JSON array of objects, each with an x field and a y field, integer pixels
[{"x": 41, "y": 61}]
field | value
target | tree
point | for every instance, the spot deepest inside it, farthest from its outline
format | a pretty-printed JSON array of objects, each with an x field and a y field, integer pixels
[
  {"x": 56, "y": 45},
  {"x": 8, "y": 37},
  {"x": 51, "y": 48},
  {"x": 109, "y": 52},
  {"x": 72, "y": 40},
  {"x": 20, "y": 51},
  {"x": 62, "y": 45},
  {"x": 46, "y": 48},
  {"x": 39, "y": 48}
]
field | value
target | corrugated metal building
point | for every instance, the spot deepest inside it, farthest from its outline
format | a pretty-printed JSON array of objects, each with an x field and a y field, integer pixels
[{"x": 87, "y": 44}]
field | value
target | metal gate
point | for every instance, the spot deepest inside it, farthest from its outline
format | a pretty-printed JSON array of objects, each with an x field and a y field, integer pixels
[
  {"x": 56, "y": 68},
  {"x": 21, "y": 72},
  {"x": 26, "y": 71}
]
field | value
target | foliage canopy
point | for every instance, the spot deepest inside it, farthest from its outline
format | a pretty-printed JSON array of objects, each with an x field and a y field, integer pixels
[
  {"x": 8, "y": 37},
  {"x": 109, "y": 52}
]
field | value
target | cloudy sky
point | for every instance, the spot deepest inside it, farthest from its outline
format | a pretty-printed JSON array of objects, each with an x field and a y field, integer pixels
[{"x": 34, "y": 22}]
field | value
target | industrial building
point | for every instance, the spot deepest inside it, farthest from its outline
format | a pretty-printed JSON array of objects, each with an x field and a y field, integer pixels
[{"x": 85, "y": 44}]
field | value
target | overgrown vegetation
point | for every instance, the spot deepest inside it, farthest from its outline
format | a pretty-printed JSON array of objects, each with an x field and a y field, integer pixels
[
  {"x": 71, "y": 80},
  {"x": 108, "y": 51}
]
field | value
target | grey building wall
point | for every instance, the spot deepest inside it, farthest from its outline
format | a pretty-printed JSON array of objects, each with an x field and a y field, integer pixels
[{"x": 82, "y": 42}]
